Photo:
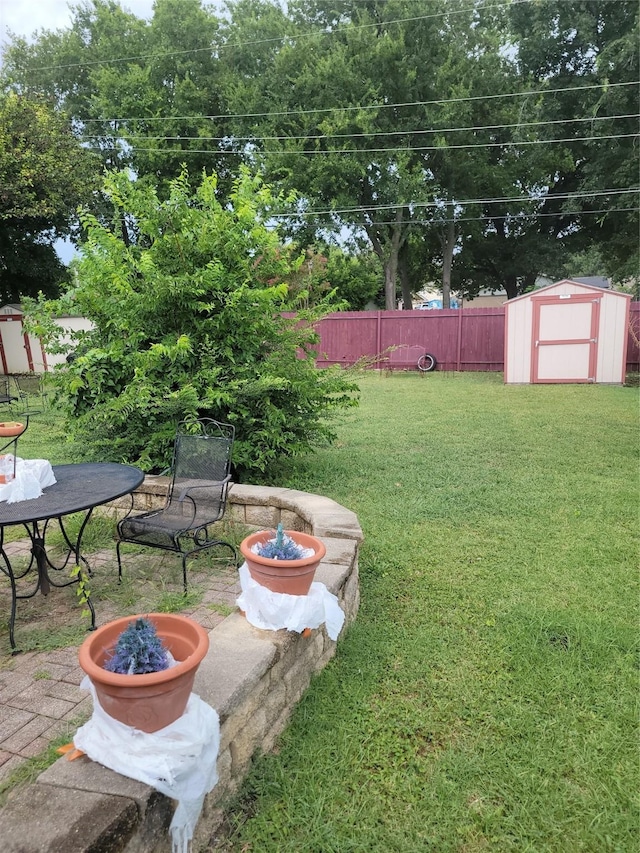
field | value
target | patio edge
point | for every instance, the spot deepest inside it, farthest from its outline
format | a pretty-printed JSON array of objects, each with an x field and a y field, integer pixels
[{"x": 253, "y": 678}]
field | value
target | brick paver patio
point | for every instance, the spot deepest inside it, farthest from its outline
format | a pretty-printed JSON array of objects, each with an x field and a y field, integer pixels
[{"x": 40, "y": 695}]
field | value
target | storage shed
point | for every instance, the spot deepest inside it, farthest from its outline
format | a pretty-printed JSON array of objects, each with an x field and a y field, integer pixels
[
  {"x": 566, "y": 332},
  {"x": 23, "y": 353}
]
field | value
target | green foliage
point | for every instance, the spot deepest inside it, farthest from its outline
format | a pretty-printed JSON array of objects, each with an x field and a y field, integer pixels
[
  {"x": 44, "y": 174},
  {"x": 187, "y": 313},
  {"x": 356, "y": 277},
  {"x": 461, "y": 180},
  {"x": 577, "y": 43}
]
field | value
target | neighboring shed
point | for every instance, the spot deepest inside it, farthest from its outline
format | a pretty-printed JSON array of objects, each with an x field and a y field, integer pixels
[
  {"x": 566, "y": 332},
  {"x": 23, "y": 353},
  {"x": 19, "y": 352}
]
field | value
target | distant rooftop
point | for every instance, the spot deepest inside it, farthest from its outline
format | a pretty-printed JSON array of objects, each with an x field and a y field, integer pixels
[{"x": 593, "y": 280}]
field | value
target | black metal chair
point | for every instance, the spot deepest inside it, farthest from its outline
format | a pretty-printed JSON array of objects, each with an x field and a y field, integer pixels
[
  {"x": 31, "y": 394},
  {"x": 197, "y": 497},
  {"x": 5, "y": 393}
]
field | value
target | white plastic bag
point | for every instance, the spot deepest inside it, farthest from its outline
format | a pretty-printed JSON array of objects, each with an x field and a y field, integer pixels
[
  {"x": 32, "y": 476},
  {"x": 179, "y": 760},
  {"x": 274, "y": 610}
]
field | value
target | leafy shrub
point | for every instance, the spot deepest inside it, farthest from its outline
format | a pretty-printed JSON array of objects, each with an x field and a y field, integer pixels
[{"x": 186, "y": 298}]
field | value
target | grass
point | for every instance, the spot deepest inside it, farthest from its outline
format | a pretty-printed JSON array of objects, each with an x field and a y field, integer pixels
[{"x": 485, "y": 698}]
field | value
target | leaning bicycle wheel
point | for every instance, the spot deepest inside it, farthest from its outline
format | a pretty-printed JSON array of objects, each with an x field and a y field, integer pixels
[{"x": 426, "y": 362}]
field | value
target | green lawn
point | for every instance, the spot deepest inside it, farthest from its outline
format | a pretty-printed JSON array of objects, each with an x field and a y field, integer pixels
[{"x": 485, "y": 698}]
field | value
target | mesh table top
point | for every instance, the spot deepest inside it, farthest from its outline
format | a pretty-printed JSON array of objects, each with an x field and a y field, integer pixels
[{"x": 77, "y": 487}]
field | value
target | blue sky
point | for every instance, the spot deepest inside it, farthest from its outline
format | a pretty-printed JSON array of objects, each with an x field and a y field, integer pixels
[{"x": 23, "y": 17}]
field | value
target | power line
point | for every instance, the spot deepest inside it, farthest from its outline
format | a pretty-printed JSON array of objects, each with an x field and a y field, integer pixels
[
  {"x": 290, "y": 37},
  {"x": 460, "y": 203},
  {"x": 396, "y": 149},
  {"x": 323, "y": 110},
  {"x": 373, "y": 133},
  {"x": 512, "y": 216}
]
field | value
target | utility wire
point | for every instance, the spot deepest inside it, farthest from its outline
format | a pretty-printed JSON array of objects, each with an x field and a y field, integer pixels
[
  {"x": 511, "y": 216},
  {"x": 396, "y": 149},
  {"x": 364, "y": 107},
  {"x": 460, "y": 203},
  {"x": 234, "y": 138}
]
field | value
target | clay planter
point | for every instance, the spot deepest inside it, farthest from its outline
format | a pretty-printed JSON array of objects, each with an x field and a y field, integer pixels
[
  {"x": 10, "y": 428},
  {"x": 293, "y": 577},
  {"x": 154, "y": 700}
]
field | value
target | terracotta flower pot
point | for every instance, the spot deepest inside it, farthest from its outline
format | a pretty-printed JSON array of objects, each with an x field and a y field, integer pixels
[
  {"x": 293, "y": 577},
  {"x": 8, "y": 428},
  {"x": 154, "y": 700}
]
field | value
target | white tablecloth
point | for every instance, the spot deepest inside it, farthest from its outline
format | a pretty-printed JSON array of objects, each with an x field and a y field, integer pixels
[
  {"x": 32, "y": 476},
  {"x": 179, "y": 760}
]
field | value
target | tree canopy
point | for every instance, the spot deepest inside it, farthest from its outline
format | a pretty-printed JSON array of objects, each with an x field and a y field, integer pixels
[
  {"x": 476, "y": 144},
  {"x": 44, "y": 174}
]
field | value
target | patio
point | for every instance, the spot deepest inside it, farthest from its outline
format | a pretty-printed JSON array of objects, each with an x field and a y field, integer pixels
[{"x": 252, "y": 678}]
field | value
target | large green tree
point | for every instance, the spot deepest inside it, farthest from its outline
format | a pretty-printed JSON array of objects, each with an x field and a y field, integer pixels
[
  {"x": 395, "y": 121},
  {"x": 462, "y": 139},
  {"x": 44, "y": 174},
  {"x": 592, "y": 44},
  {"x": 144, "y": 94},
  {"x": 187, "y": 315},
  {"x": 321, "y": 123}
]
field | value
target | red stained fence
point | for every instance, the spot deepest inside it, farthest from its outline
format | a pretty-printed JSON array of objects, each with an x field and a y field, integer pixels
[{"x": 465, "y": 339}]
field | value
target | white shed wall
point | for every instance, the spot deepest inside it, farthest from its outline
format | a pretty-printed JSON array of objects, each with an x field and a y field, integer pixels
[
  {"x": 517, "y": 351},
  {"x": 612, "y": 333},
  {"x": 69, "y": 324},
  {"x": 613, "y": 336},
  {"x": 14, "y": 348}
]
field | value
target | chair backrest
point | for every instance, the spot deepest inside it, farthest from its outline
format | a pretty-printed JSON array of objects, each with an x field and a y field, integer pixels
[
  {"x": 28, "y": 383},
  {"x": 202, "y": 463}
]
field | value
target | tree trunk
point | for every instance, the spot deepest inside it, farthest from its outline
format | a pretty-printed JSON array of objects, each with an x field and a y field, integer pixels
[
  {"x": 388, "y": 254},
  {"x": 390, "y": 275},
  {"x": 448, "y": 240},
  {"x": 511, "y": 286},
  {"x": 405, "y": 282}
]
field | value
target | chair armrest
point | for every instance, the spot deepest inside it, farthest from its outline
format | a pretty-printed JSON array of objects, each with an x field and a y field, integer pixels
[{"x": 186, "y": 493}]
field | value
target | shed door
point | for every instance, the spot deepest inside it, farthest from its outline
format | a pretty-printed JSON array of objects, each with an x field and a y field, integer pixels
[{"x": 565, "y": 338}]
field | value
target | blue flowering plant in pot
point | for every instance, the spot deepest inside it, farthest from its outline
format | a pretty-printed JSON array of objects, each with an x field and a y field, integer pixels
[
  {"x": 142, "y": 667},
  {"x": 283, "y": 561}
]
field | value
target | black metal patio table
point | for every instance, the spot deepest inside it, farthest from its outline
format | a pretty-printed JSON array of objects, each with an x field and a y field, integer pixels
[{"x": 78, "y": 488}]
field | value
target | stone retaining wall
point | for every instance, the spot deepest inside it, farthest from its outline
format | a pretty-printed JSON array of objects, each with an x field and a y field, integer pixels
[{"x": 253, "y": 679}]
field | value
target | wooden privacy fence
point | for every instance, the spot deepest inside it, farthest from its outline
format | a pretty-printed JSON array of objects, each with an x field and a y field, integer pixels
[{"x": 463, "y": 339}]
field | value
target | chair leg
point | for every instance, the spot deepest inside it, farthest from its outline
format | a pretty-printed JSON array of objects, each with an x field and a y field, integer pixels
[
  {"x": 184, "y": 573},
  {"x": 234, "y": 551},
  {"x": 118, "y": 543}
]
